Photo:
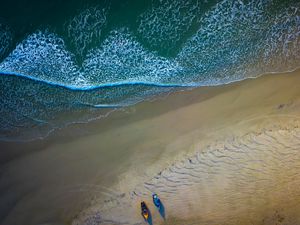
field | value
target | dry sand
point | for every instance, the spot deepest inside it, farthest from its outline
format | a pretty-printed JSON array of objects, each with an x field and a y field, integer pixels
[{"x": 215, "y": 155}]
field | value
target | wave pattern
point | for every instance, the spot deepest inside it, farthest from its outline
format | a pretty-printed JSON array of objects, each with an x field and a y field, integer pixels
[
  {"x": 164, "y": 26},
  {"x": 243, "y": 38},
  {"x": 216, "y": 182},
  {"x": 43, "y": 55},
  {"x": 228, "y": 41},
  {"x": 86, "y": 27},
  {"x": 121, "y": 58}
]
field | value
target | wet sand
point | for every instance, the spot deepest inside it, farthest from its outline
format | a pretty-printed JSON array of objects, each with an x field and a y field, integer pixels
[{"x": 215, "y": 155}]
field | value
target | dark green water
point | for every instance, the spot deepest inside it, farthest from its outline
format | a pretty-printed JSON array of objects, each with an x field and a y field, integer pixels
[{"x": 74, "y": 56}]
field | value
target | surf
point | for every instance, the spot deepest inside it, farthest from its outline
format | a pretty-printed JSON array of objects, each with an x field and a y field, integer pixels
[{"x": 95, "y": 63}]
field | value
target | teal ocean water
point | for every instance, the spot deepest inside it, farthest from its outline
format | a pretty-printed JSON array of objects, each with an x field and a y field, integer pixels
[{"x": 61, "y": 58}]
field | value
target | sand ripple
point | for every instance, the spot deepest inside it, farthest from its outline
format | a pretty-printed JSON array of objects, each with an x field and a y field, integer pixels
[{"x": 250, "y": 179}]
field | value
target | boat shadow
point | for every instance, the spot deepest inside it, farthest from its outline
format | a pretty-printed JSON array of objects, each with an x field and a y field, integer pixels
[
  {"x": 149, "y": 220},
  {"x": 162, "y": 211}
]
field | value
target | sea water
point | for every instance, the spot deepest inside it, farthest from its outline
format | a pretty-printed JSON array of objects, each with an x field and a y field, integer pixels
[{"x": 63, "y": 62}]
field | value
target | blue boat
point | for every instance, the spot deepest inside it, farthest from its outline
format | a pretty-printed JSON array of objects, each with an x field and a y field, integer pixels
[{"x": 156, "y": 201}]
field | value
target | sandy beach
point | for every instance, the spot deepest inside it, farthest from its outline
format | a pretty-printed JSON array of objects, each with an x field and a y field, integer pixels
[{"x": 215, "y": 155}]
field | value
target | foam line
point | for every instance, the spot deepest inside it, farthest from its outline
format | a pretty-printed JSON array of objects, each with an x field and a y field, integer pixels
[{"x": 91, "y": 88}]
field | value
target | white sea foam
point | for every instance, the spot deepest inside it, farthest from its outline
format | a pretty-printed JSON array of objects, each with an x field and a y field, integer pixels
[
  {"x": 165, "y": 24},
  {"x": 122, "y": 58},
  {"x": 86, "y": 27},
  {"x": 219, "y": 49},
  {"x": 233, "y": 39},
  {"x": 282, "y": 46},
  {"x": 43, "y": 55}
]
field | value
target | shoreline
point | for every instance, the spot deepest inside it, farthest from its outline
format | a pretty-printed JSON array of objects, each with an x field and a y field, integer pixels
[
  {"x": 118, "y": 154},
  {"x": 108, "y": 109},
  {"x": 127, "y": 83}
]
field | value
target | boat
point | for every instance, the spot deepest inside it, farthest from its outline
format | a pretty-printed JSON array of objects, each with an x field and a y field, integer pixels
[
  {"x": 156, "y": 201},
  {"x": 145, "y": 211}
]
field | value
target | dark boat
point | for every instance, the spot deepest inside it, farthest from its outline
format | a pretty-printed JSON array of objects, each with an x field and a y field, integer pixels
[{"x": 145, "y": 211}]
